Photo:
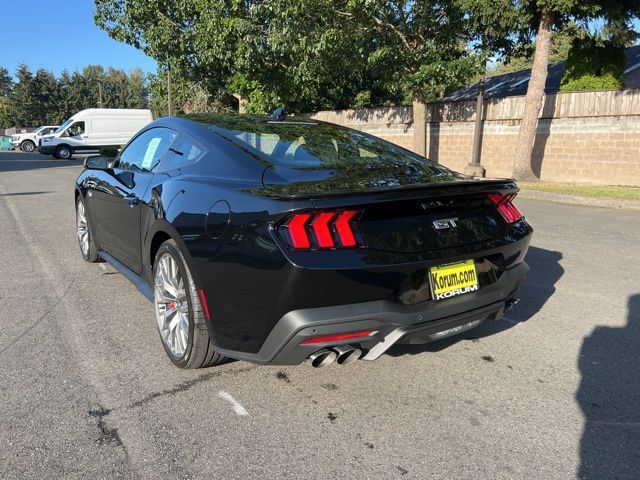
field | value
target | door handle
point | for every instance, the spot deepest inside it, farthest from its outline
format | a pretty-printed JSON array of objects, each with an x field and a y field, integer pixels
[
  {"x": 85, "y": 136},
  {"x": 132, "y": 200}
]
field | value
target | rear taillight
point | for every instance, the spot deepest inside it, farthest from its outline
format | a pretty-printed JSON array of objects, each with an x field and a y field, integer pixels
[
  {"x": 322, "y": 230},
  {"x": 505, "y": 206}
]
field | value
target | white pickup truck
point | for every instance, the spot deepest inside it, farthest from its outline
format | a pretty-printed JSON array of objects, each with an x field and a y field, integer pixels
[{"x": 28, "y": 142}]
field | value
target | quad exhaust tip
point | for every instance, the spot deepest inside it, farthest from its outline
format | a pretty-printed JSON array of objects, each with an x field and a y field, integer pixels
[
  {"x": 322, "y": 358},
  {"x": 342, "y": 355},
  {"x": 347, "y": 354}
]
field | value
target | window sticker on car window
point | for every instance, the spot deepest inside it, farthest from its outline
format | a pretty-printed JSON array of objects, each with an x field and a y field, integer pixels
[{"x": 149, "y": 155}]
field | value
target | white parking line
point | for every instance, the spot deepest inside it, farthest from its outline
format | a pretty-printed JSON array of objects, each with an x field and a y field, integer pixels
[{"x": 239, "y": 409}]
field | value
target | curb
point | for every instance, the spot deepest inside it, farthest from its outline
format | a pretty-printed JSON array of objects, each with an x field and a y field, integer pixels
[{"x": 580, "y": 200}]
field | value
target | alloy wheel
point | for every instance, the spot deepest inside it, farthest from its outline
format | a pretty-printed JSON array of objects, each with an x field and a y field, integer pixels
[
  {"x": 82, "y": 229},
  {"x": 172, "y": 307}
]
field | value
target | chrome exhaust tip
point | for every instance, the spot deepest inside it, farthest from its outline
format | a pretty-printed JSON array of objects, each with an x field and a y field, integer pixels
[
  {"x": 509, "y": 304},
  {"x": 322, "y": 358},
  {"x": 347, "y": 354}
]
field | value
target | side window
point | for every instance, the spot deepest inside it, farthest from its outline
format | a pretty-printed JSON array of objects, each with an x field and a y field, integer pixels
[
  {"x": 147, "y": 149},
  {"x": 75, "y": 129},
  {"x": 185, "y": 151}
]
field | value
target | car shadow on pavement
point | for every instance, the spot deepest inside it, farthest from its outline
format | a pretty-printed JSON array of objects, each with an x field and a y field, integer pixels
[
  {"x": 19, "y": 161},
  {"x": 23, "y": 194},
  {"x": 545, "y": 271},
  {"x": 609, "y": 397}
]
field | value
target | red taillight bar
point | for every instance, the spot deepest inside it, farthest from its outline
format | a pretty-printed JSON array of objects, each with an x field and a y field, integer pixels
[
  {"x": 338, "y": 337},
  {"x": 343, "y": 226},
  {"x": 298, "y": 230},
  {"x": 505, "y": 206},
  {"x": 323, "y": 230}
]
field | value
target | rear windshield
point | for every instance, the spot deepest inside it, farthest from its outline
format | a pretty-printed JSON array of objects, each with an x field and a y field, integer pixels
[{"x": 311, "y": 145}]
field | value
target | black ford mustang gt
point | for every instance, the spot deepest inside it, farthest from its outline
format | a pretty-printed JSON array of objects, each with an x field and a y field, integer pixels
[{"x": 280, "y": 241}]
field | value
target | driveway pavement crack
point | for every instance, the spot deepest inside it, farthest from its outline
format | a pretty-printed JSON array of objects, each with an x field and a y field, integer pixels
[{"x": 107, "y": 435}]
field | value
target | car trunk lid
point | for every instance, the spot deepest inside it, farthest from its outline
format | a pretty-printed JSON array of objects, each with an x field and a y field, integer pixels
[{"x": 411, "y": 217}]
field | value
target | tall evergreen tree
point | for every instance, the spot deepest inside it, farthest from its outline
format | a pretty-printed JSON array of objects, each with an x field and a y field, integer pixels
[
  {"x": 65, "y": 108},
  {"x": 115, "y": 85},
  {"x": 6, "y": 106},
  {"x": 6, "y": 83},
  {"x": 46, "y": 95},
  {"x": 24, "y": 104}
]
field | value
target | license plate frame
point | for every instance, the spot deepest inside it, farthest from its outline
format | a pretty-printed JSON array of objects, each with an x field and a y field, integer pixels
[{"x": 453, "y": 279}]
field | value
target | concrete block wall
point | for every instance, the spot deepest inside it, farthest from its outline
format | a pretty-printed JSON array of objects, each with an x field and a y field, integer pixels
[{"x": 600, "y": 151}]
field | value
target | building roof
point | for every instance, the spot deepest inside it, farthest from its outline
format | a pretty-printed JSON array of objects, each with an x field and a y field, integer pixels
[{"x": 516, "y": 83}]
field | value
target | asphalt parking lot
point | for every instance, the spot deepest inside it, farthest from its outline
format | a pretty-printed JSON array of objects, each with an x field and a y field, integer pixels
[{"x": 551, "y": 392}]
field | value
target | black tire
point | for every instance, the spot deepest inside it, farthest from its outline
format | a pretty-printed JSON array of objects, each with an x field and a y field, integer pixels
[
  {"x": 199, "y": 351},
  {"x": 90, "y": 253},
  {"x": 27, "y": 146},
  {"x": 63, "y": 152}
]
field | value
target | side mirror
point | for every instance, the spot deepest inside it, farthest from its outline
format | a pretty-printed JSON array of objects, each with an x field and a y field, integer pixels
[{"x": 96, "y": 163}]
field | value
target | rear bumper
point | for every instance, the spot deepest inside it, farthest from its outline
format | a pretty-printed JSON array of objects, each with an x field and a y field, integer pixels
[{"x": 393, "y": 322}]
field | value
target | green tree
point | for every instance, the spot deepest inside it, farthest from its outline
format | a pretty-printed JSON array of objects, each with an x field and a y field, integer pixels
[
  {"x": 24, "y": 104},
  {"x": 6, "y": 106},
  {"x": 521, "y": 55},
  {"x": 6, "y": 113},
  {"x": 544, "y": 16},
  {"x": 188, "y": 96},
  {"x": 115, "y": 85},
  {"x": 6, "y": 83},
  {"x": 46, "y": 95},
  {"x": 136, "y": 91},
  {"x": 424, "y": 42},
  {"x": 594, "y": 65},
  {"x": 306, "y": 55},
  {"x": 65, "y": 108}
]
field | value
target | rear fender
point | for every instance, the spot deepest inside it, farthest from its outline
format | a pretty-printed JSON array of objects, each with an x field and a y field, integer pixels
[{"x": 163, "y": 228}]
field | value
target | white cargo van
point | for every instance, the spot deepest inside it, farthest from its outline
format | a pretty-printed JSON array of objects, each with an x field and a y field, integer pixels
[{"x": 90, "y": 130}]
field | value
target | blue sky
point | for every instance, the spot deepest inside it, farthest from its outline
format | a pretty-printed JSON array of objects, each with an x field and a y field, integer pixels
[{"x": 60, "y": 35}]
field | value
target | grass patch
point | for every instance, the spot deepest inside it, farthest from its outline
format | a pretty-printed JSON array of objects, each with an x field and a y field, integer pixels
[{"x": 621, "y": 193}]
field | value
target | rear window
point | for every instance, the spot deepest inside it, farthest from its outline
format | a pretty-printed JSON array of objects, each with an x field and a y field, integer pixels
[{"x": 307, "y": 144}]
